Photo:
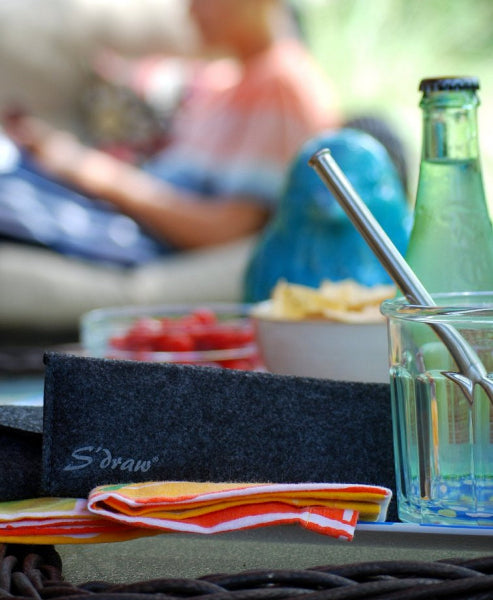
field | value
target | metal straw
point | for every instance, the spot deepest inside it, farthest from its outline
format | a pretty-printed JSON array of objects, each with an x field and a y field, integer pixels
[{"x": 471, "y": 369}]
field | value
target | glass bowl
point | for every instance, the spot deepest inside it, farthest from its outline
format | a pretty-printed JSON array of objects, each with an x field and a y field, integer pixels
[{"x": 216, "y": 335}]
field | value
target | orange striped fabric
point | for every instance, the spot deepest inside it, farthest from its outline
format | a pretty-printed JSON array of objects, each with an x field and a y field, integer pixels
[
  {"x": 331, "y": 509},
  {"x": 60, "y": 521},
  {"x": 243, "y": 124},
  {"x": 122, "y": 512}
]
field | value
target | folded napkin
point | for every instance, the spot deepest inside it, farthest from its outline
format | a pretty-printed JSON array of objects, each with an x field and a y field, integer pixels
[
  {"x": 122, "y": 512},
  {"x": 331, "y": 509},
  {"x": 60, "y": 521}
]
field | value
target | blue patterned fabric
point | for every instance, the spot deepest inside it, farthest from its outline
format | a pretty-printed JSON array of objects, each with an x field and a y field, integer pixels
[{"x": 40, "y": 210}]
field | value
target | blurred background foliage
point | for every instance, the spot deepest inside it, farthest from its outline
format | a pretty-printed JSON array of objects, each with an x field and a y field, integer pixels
[{"x": 377, "y": 51}]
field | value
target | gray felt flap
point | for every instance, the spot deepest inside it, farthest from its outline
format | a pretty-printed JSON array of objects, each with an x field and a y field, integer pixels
[
  {"x": 20, "y": 452},
  {"x": 108, "y": 421},
  {"x": 22, "y": 418}
]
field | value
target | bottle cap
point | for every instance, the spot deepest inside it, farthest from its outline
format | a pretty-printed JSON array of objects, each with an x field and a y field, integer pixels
[{"x": 438, "y": 84}]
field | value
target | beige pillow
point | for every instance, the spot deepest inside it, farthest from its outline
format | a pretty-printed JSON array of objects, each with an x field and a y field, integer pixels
[{"x": 46, "y": 291}]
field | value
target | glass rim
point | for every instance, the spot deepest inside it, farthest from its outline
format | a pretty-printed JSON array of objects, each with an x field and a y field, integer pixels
[
  {"x": 456, "y": 306},
  {"x": 239, "y": 310}
]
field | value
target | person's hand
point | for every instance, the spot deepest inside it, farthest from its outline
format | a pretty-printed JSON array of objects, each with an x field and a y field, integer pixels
[
  {"x": 53, "y": 149},
  {"x": 25, "y": 131}
]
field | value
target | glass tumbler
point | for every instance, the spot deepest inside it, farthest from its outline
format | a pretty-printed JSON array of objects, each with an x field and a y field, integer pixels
[{"x": 443, "y": 442}]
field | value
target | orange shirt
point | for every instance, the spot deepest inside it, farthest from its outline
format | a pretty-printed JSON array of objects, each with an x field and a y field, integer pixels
[{"x": 244, "y": 123}]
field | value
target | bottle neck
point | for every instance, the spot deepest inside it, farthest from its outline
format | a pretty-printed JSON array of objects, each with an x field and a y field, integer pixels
[{"x": 450, "y": 129}]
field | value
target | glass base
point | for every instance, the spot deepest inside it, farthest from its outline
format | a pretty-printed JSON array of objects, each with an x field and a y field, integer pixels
[{"x": 456, "y": 504}]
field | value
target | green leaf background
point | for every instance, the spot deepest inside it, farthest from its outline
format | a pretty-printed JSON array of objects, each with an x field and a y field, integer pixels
[{"x": 377, "y": 51}]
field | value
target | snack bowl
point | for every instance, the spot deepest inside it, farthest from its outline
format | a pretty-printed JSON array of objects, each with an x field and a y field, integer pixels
[
  {"x": 321, "y": 348},
  {"x": 216, "y": 335}
]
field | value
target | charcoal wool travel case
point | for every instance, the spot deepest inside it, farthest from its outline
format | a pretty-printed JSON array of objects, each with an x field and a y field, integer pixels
[
  {"x": 110, "y": 421},
  {"x": 20, "y": 451}
]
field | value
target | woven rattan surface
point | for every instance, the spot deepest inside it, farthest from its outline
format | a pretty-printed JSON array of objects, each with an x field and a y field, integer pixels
[{"x": 28, "y": 572}]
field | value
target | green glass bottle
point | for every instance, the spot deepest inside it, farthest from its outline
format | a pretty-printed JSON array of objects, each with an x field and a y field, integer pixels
[{"x": 451, "y": 243}]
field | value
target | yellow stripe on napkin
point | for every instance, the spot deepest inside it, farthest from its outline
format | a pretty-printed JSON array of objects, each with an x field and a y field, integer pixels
[
  {"x": 127, "y": 511},
  {"x": 211, "y": 507},
  {"x": 60, "y": 521}
]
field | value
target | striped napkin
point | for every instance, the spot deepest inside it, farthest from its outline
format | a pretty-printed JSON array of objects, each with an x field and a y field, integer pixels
[
  {"x": 330, "y": 509},
  {"x": 125, "y": 511},
  {"x": 60, "y": 521}
]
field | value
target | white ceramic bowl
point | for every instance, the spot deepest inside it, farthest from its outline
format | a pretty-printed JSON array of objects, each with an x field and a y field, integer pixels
[{"x": 321, "y": 348}]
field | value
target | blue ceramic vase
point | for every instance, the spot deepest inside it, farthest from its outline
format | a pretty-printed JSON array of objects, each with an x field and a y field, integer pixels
[{"x": 310, "y": 238}]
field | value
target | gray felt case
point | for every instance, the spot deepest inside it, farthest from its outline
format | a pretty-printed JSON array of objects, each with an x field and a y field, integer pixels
[{"x": 109, "y": 421}]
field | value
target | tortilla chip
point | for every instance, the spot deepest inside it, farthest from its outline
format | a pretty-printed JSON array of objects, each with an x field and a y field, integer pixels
[{"x": 346, "y": 301}]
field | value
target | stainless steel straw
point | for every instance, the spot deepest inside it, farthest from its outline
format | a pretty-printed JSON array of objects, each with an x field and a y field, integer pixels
[{"x": 471, "y": 369}]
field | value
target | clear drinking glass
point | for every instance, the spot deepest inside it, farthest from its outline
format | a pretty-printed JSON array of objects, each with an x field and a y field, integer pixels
[{"x": 443, "y": 444}]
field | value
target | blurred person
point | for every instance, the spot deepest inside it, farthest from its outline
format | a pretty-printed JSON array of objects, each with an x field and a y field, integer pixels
[{"x": 220, "y": 176}]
